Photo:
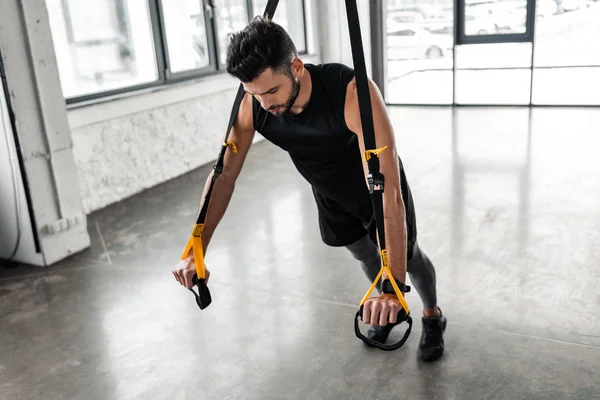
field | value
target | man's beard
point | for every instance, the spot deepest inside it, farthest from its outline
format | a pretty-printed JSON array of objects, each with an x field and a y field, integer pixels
[{"x": 291, "y": 99}]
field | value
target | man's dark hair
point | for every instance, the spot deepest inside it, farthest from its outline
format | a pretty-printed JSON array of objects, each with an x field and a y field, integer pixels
[{"x": 260, "y": 45}]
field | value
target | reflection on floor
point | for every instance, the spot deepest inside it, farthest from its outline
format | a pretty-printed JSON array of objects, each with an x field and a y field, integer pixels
[{"x": 508, "y": 211}]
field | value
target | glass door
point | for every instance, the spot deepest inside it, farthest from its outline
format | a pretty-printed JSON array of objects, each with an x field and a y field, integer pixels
[
  {"x": 418, "y": 43},
  {"x": 494, "y": 49},
  {"x": 567, "y": 53}
]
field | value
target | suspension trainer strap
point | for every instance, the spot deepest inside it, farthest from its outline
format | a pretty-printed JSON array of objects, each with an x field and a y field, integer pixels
[
  {"x": 203, "y": 298},
  {"x": 375, "y": 177}
]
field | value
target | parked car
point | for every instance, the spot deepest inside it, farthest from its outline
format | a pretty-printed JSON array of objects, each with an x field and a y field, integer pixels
[{"x": 410, "y": 43}]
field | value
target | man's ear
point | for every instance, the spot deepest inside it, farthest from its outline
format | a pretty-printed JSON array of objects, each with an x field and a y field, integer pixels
[{"x": 297, "y": 67}]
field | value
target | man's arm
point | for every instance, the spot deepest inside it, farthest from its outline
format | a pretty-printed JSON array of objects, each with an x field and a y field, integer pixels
[
  {"x": 393, "y": 204},
  {"x": 242, "y": 134}
]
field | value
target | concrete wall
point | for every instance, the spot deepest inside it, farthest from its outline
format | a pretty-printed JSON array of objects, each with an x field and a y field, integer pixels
[{"x": 131, "y": 144}]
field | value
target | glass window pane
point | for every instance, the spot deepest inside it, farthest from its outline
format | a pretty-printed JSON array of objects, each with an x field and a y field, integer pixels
[
  {"x": 418, "y": 51},
  {"x": 420, "y": 87},
  {"x": 102, "y": 45},
  {"x": 567, "y": 35},
  {"x": 509, "y": 86},
  {"x": 232, "y": 16},
  {"x": 185, "y": 29},
  {"x": 480, "y": 79},
  {"x": 495, "y": 17},
  {"x": 493, "y": 55},
  {"x": 290, "y": 15},
  {"x": 567, "y": 86}
]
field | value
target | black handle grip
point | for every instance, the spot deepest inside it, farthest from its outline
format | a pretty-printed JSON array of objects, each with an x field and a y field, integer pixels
[
  {"x": 203, "y": 298},
  {"x": 402, "y": 316}
]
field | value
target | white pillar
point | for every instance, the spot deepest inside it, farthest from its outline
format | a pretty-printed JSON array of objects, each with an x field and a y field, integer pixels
[
  {"x": 44, "y": 135},
  {"x": 334, "y": 37}
]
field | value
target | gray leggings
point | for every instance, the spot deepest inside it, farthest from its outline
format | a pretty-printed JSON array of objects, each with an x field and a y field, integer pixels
[{"x": 419, "y": 268}]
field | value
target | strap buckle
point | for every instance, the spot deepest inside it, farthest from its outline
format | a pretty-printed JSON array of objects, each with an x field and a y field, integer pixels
[
  {"x": 374, "y": 152},
  {"x": 375, "y": 182},
  {"x": 218, "y": 167}
]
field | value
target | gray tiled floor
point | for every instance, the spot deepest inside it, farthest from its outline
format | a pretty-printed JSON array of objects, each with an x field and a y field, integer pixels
[{"x": 510, "y": 219}]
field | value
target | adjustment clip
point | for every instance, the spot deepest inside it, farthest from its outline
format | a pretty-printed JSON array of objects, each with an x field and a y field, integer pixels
[{"x": 375, "y": 183}]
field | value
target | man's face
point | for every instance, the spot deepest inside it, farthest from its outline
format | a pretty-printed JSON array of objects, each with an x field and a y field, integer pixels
[{"x": 276, "y": 91}]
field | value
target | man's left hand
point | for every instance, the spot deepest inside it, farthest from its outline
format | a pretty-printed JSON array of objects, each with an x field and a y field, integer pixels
[{"x": 381, "y": 310}]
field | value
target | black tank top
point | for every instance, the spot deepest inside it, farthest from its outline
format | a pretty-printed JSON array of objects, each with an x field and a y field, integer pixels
[
  {"x": 322, "y": 148},
  {"x": 325, "y": 151}
]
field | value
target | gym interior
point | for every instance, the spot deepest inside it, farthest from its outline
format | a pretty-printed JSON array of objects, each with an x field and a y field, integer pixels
[{"x": 113, "y": 113}]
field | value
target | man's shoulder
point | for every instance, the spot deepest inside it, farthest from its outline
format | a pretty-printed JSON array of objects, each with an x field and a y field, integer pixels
[
  {"x": 334, "y": 69},
  {"x": 334, "y": 76}
]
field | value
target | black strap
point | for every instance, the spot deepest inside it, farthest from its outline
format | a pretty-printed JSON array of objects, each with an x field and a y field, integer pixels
[
  {"x": 218, "y": 167},
  {"x": 375, "y": 178},
  {"x": 270, "y": 9},
  {"x": 203, "y": 297},
  {"x": 269, "y": 12}
]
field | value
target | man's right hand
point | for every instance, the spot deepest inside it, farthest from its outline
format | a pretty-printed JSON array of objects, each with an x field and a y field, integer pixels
[
  {"x": 242, "y": 134},
  {"x": 184, "y": 271}
]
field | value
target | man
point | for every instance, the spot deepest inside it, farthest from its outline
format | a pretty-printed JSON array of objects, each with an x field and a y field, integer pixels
[{"x": 311, "y": 111}]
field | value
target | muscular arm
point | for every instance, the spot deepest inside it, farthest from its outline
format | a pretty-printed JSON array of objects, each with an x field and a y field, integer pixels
[
  {"x": 393, "y": 204},
  {"x": 242, "y": 134}
]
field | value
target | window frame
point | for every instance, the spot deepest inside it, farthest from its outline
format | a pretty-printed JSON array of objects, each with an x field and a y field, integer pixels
[
  {"x": 164, "y": 75},
  {"x": 160, "y": 26},
  {"x": 462, "y": 38}
]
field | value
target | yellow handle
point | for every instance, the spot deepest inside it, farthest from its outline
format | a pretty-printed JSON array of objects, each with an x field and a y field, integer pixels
[
  {"x": 195, "y": 244},
  {"x": 387, "y": 269}
]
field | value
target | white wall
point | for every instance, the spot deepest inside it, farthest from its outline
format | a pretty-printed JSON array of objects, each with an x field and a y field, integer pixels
[{"x": 131, "y": 144}]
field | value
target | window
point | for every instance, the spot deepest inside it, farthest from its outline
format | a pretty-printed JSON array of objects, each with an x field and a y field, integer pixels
[
  {"x": 100, "y": 47},
  {"x": 494, "y": 21},
  {"x": 567, "y": 53},
  {"x": 509, "y": 52},
  {"x": 418, "y": 51},
  {"x": 185, "y": 31},
  {"x": 495, "y": 17},
  {"x": 290, "y": 15},
  {"x": 106, "y": 47},
  {"x": 230, "y": 19}
]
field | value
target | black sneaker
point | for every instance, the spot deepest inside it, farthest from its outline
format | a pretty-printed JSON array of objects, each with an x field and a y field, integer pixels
[{"x": 431, "y": 345}]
